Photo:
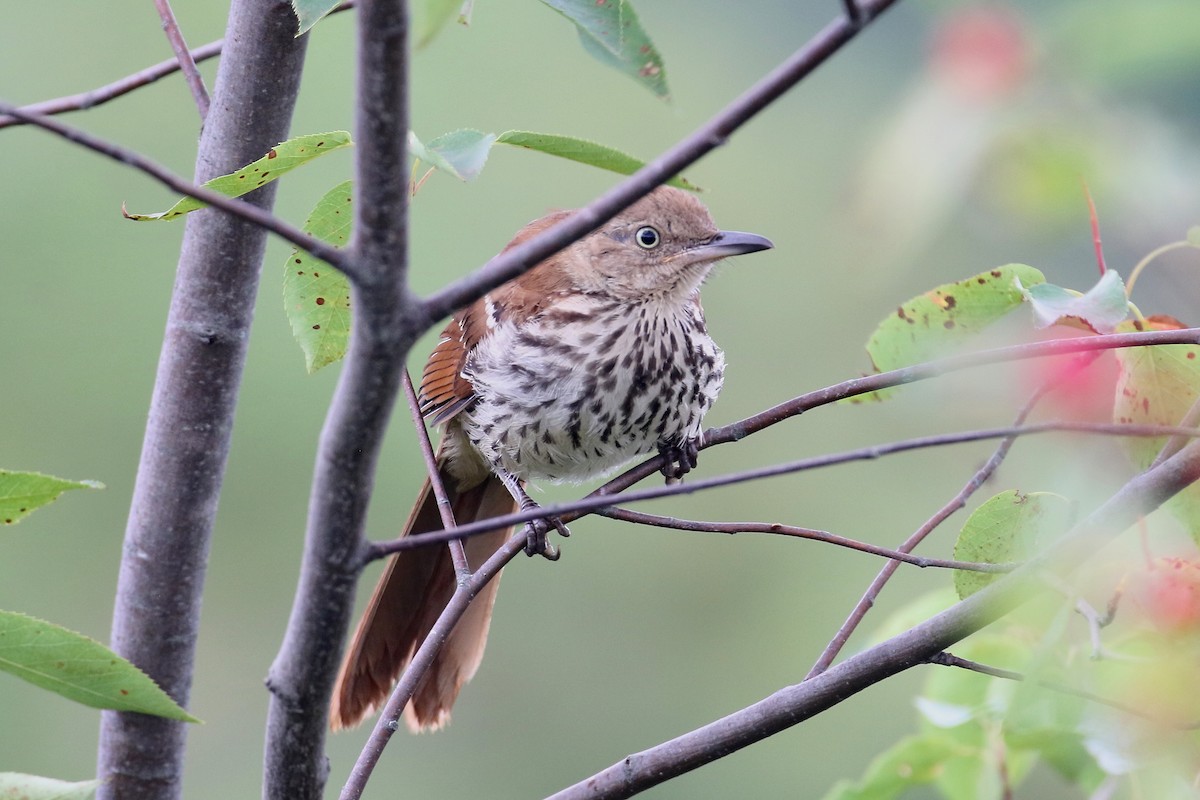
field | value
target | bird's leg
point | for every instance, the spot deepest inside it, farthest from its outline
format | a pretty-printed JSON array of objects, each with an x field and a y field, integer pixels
[
  {"x": 536, "y": 542},
  {"x": 679, "y": 458}
]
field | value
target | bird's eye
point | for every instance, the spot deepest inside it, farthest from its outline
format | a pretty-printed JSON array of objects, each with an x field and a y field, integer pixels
[{"x": 647, "y": 237}]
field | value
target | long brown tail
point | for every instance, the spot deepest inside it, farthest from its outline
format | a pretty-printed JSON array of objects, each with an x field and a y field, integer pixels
[{"x": 411, "y": 593}]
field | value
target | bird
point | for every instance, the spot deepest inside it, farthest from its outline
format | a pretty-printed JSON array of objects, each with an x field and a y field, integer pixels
[{"x": 595, "y": 356}]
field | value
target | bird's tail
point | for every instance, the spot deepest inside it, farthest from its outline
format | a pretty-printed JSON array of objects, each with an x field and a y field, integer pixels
[{"x": 412, "y": 592}]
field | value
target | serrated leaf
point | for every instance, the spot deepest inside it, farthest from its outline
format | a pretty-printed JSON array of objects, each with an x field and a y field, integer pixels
[
  {"x": 309, "y": 12},
  {"x": 1101, "y": 308},
  {"x": 1157, "y": 386},
  {"x": 912, "y": 761},
  {"x": 610, "y": 32},
  {"x": 316, "y": 296},
  {"x": 22, "y": 493},
  {"x": 1009, "y": 527},
  {"x": 280, "y": 160},
  {"x": 460, "y": 153},
  {"x": 929, "y": 325},
  {"x": 585, "y": 152},
  {"x": 79, "y": 668},
  {"x": 16, "y": 786}
]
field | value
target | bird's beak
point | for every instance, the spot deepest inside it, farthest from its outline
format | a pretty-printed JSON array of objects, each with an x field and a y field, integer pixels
[{"x": 732, "y": 243}]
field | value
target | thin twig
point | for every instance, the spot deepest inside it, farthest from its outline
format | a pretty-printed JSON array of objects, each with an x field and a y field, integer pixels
[
  {"x": 388, "y": 721},
  {"x": 102, "y": 94},
  {"x": 640, "y": 518},
  {"x": 575, "y": 509},
  {"x": 946, "y": 659},
  {"x": 230, "y": 205},
  {"x": 184, "y": 56},
  {"x": 867, "y": 601},
  {"x": 792, "y": 705},
  {"x": 457, "y": 552},
  {"x": 714, "y": 133}
]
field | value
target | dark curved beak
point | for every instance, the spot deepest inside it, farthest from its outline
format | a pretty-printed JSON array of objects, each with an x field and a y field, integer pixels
[{"x": 734, "y": 243}]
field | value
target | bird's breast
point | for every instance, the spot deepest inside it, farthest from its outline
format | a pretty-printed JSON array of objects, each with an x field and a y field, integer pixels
[{"x": 588, "y": 384}]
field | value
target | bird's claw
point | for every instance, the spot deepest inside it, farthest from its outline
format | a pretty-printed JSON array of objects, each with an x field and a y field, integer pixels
[
  {"x": 679, "y": 459},
  {"x": 536, "y": 541}
]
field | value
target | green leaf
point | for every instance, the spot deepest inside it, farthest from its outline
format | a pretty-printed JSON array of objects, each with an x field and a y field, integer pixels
[
  {"x": 1193, "y": 236},
  {"x": 429, "y": 17},
  {"x": 1157, "y": 386},
  {"x": 1008, "y": 527},
  {"x": 1102, "y": 308},
  {"x": 79, "y": 668},
  {"x": 929, "y": 325},
  {"x": 22, "y": 493},
  {"x": 585, "y": 152},
  {"x": 460, "y": 153},
  {"x": 609, "y": 30},
  {"x": 315, "y": 295},
  {"x": 282, "y": 158},
  {"x": 912, "y": 761},
  {"x": 15, "y": 786},
  {"x": 309, "y": 12}
]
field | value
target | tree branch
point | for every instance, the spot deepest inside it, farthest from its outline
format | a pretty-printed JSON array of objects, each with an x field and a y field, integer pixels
[
  {"x": 708, "y": 137},
  {"x": 897, "y": 556},
  {"x": 157, "y": 609},
  {"x": 103, "y": 94},
  {"x": 388, "y": 721},
  {"x": 386, "y": 322},
  {"x": 794, "y": 704},
  {"x": 183, "y": 56},
  {"x": 240, "y": 208},
  {"x": 867, "y": 601},
  {"x": 595, "y": 501}
]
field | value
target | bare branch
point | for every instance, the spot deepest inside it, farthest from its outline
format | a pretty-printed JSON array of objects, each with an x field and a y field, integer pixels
[
  {"x": 867, "y": 601},
  {"x": 640, "y": 518},
  {"x": 595, "y": 501},
  {"x": 184, "y": 56},
  {"x": 457, "y": 553},
  {"x": 388, "y": 721},
  {"x": 101, "y": 95},
  {"x": 385, "y": 325},
  {"x": 241, "y": 208},
  {"x": 157, "y": 607},
  {"x": 708, "y": 137},
  {"x": 794, "y": 704}
]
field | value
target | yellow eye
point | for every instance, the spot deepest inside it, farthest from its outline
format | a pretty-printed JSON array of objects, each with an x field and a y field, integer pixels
[{"x": 647, "y": 237}]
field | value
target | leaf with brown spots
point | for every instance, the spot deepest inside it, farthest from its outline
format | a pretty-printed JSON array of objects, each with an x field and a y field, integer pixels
[
  {"x": 280, "y": 160},
  {"x": 930, "y": 325},
  {"x": 1157, "y": 386},
  {"x": 79, "y": 668},
  {"x": 316, "y": 296},
  {"x": 22, "y": 493}
]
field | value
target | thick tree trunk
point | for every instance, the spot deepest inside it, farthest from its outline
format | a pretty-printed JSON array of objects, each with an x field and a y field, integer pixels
[{"x": 157, "y": 612}]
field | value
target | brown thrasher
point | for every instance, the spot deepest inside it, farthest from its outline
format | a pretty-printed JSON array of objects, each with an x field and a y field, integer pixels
[{"x": 595, "y": 356}]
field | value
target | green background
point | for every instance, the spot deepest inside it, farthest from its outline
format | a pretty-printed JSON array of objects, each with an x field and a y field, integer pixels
[{"x": 636, "y": 635}]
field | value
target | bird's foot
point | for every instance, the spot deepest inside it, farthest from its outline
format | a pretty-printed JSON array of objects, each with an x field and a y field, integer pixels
[
  {"x": 536, "y": 541},
  {"x": 679, "y": 458}
]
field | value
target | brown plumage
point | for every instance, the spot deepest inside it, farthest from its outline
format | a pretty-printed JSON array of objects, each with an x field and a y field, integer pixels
[{"x": 594, "y": 357}]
